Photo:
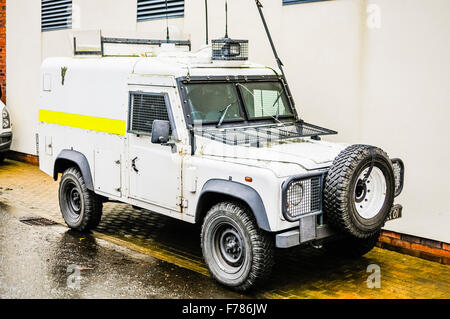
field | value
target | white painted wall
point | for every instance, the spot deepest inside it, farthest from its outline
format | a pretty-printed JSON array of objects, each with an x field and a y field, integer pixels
[
  {"x": 405, "y": 106},
  {"x": 387, "y": 86}
]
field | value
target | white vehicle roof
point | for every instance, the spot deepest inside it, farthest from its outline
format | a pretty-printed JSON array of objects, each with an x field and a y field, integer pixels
[{"x": 174, "y": 63}]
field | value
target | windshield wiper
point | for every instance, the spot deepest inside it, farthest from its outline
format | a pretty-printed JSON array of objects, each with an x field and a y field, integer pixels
[
  {"x": 224, "y": 113},
  {"x": 278, "y": 108},
  {"x": 243, "y": 86}
]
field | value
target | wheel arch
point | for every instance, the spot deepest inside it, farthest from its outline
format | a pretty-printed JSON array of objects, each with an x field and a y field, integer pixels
[
  {"x": 71, "y": 158},
  {"x": 216, "y": 190}
]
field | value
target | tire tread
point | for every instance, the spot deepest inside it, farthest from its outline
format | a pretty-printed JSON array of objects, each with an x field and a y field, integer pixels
[
  {"x": 337, "y": 188},
  {"x": 92, "y": 203},
  {"x": 263, "y": 245}
]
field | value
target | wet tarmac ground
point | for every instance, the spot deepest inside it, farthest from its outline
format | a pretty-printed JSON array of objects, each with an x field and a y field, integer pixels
[
  {"x": 139, "y": 254},
  {"x": 54, "y": 262}
]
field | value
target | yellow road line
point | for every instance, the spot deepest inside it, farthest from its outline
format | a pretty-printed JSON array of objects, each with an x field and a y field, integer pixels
[
  {"x": 92, "y": 123},
  {"x": 160, "y": 254}
]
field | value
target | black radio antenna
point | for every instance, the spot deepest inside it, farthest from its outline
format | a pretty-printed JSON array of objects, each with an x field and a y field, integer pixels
[
  {"x": 277, "y": 58},
  {"x": 207, "y": 28},
  {"x": 226, "y": 18},
  {"x": 167, "y": 23}
]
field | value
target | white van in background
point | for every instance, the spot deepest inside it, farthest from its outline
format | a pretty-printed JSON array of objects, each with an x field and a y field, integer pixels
[{"x": 5, "y": 130}]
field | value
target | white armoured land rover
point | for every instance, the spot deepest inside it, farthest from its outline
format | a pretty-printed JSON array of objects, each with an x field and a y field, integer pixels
[
  {"x": 5, "y": 130},
  {"x": 208, "y": 138}
]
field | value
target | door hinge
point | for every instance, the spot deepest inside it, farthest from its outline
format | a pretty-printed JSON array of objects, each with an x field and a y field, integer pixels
[{"x": 183, "y": 203}]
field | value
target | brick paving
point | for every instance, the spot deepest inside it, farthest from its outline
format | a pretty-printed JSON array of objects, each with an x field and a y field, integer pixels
[{"x": 298, "y": 273}]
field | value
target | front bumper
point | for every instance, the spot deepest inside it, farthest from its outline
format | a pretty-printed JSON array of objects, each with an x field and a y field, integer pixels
[
  {"x": 5, "y": 141},
  {"x": 309, "y": 230}
]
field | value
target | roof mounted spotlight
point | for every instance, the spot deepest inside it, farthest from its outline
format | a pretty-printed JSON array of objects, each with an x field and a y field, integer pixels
[{"x": 227, "y": 49}]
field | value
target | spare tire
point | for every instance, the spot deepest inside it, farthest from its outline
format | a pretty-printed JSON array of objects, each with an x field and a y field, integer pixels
[{"x": 359, "y": 191}]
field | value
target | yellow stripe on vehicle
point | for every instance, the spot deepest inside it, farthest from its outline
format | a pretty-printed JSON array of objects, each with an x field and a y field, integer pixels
[{"x": 92, "y": 123}]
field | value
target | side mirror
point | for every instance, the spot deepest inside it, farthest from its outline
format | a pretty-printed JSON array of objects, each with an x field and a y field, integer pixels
[{"x": 160, "y": 132}]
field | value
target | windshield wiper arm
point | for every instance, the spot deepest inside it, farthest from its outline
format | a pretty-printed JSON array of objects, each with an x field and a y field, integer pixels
[
  {"x": 243, "y": 86},
  {"x": 224, "y": 113},
  {"x": 278, "y": 108}
]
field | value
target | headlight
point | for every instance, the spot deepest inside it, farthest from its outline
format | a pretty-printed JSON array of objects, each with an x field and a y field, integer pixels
[
  {"x": 296, "y": 193},
  {"x": 302, "y": 195},
  {"x": 6, "y": 123}
]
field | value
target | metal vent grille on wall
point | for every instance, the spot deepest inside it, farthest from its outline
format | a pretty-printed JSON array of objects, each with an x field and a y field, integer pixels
[
  {"x": 144, "y": 109},
  {"x": 56, "y": 14},
  {"x": 159, "y": 9}
]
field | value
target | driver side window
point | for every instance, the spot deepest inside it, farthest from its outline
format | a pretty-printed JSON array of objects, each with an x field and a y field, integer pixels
[{"x": 144, "y": 109}]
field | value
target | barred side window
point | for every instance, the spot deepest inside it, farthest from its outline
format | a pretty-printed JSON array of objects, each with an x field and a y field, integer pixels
[
  {"x": 159, "y": 9},
  {"x": 144, "y": 109},
  {"x": 56, "y": 14}
]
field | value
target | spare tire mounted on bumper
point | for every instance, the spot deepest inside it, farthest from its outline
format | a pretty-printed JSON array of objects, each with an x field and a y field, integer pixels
[{"x": 359, "y": 190}]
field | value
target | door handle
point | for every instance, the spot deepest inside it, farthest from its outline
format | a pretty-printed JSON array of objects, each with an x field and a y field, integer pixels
[{"x": 133, "y": 165}]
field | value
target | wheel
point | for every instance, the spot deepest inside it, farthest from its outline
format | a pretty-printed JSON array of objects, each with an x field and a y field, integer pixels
[
  {"x": 238, "y": 254},
  {"x": 80, "y": 207},
  {"x": 2, "y": 158},
  {"x": 359, "y": 191},
  {"x": 351, "y": 247}
]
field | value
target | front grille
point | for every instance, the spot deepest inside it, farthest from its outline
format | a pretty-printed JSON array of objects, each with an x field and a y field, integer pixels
[
  {"x": 302, "y": 196},
  {"x": 145, "y": 108}
]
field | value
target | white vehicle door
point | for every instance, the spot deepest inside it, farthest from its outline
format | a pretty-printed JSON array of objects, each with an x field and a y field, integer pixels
[{"x": 154, "y": 169}]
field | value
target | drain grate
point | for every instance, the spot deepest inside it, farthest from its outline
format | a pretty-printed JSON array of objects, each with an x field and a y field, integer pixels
[{"x": 38, "y": 221}]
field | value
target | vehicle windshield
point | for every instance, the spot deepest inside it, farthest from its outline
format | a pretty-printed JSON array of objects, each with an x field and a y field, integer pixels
[
  {"x": 220, "y": 102},
  {"x": 265, "y": 99},
  {"x": 209, "y": 102}
]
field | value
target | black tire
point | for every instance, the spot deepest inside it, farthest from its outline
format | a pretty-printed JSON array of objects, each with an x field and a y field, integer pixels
[
  {"x": 80, "y": 207},
  {"x": 351, "y": 247},
  {"x": 343, "y": 185},
  {"x": 2, "y": 158},
  {"x": 242, "y": 266}
]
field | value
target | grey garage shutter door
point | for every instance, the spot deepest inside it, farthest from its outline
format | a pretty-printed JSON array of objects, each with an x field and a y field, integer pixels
[
  {"x": 156, "y": 9},
  {"x": 56, "y": 14}
]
